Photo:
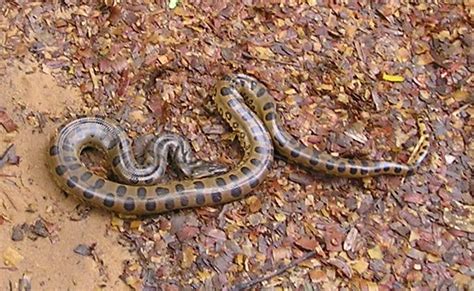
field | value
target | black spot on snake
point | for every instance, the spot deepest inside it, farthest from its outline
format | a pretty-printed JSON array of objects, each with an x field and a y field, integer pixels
[
  {"x": 260, "y": 138},
  {"x": 386, "y": 169},
  {"x": 86, "y": 176},
  {"x": 225, "y": 91},
  {"x": 150, "y": 205},
  {"x": 259, "y": 150},
  {"x": 88, "y": 193},
  {"x": 314, "y": 159},
  {"x": 60, "y": 170},
  {"x": 200, "y": 199},
  {"x": 245, "y": 170},
  {"x": 54, "y": 150},
  {"x": 72, "y": 182},
  {"x": 69, "y": 159},
  {"x": 270, "y": 116},
  {"x": 116, "y": 161},
  {"x": 353, "y": 170},
  {"x": 295, "y": 153},
  {"x": 255, "y": 162},
  {"x": 330, "y": 165},
  {"x": 148, "y": 181},
  {"x": 121, "y": 190},
  {"x": 341, "y": 168},
  {"x": 216, "y": 197},
  {"x": 268, "y": 105},
  {"x": 246, "y": 116},
  {"x": 169, "y": 203},
  {"x": 199, "y": 185},
  {"x": 233, "y": 178},
  {"x": 161, "y": 191},
  {"x": 254, "y": 183},
  {"x": 67, "y": 148},
  {"x": 141, "y": 192},
  {"x": 129, "y": 204},
  {"x": 220, "y": 182},
  {"x": 99, "y": 184},
  {"x": 280, "y": 139},
  {"x": 253, "y": 84},
  {"x": 109, "y": 200},
  {"x": 261, "y": 92},
  {"x": 397, "y": 169},
  {"x": 184, "y": 201},
  {"x": 236, "y": 192}
]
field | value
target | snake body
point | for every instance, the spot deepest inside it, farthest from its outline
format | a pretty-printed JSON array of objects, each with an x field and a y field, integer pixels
[{"x": 248, "y": 108}]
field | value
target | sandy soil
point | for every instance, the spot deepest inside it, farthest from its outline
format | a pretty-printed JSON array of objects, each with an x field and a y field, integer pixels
[{"x": 27, "y": 193}]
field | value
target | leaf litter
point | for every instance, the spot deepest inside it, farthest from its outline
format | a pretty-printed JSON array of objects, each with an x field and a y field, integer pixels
[{"x": 349, "y": 80}]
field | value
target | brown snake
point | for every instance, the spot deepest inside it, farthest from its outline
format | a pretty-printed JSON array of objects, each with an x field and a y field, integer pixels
[{"x": 210, "y": 184}]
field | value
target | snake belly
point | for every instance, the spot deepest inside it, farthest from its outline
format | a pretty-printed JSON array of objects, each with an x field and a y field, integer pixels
[{"x": 257, "y": 129}]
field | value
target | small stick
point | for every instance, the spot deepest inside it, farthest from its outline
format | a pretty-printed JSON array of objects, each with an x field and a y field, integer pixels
[
  {"x": 251, "y": 283},
  {"x": 10, "y": 199}
]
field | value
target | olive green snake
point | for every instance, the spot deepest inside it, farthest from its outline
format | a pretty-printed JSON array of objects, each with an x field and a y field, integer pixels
[{"x": 246, "y": 105}]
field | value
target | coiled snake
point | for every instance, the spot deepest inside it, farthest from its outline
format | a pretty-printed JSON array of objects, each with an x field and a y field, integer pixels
[{"x": 248, "y": 108}]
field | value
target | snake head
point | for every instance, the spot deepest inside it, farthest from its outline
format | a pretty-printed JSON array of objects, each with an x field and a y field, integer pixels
[{"x": 202, "y": 169}]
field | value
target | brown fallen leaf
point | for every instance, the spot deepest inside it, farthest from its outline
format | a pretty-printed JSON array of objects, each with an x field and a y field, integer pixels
[
  {"x": 307, "y": 243},
  {"x": 186, "y": 233},
  {"x": 6, "y": 121},
  {"x": 342, "y": 266},
  {"x": 188, "y": 257},
  {"x": 12, "y": 257},
  {"x": 317, "y": 275},
  {"x": 281, "y": 253}
]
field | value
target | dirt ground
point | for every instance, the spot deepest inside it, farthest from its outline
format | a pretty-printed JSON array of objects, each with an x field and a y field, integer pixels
[{"x": 27, "y": 195}]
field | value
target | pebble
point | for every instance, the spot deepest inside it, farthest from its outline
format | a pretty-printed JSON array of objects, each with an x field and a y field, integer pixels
[{"x": 17, "y": 233}]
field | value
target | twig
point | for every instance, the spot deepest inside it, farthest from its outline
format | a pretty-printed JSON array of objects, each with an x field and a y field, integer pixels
[
  {"x": 251, "y": 283},
  {"x": 10, "y": 199},
  {"x": 7, "y": 175}
]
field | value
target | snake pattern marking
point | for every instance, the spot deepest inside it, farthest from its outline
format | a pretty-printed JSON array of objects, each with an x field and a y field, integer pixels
[{"x": 248, "y": 108}]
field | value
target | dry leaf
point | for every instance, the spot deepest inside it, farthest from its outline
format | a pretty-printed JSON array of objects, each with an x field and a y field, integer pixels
[
  {"x": 375, "y": 253},
  {"x": 12, "y": 257},
  {"x": 393, "y": 78},
  {"x": 188, "y": 257}
]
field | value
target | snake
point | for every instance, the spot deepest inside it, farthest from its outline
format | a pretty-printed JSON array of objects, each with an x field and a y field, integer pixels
[{"x": 138, "y": 189}]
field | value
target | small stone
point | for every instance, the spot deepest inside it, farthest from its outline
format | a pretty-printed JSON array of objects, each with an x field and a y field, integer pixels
[
  {"x": 83, "y": 250},
  {"x": 39, "y": 228},
  {"x": 17, "y": 233},
  {"x": 416, "y": 254}
]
